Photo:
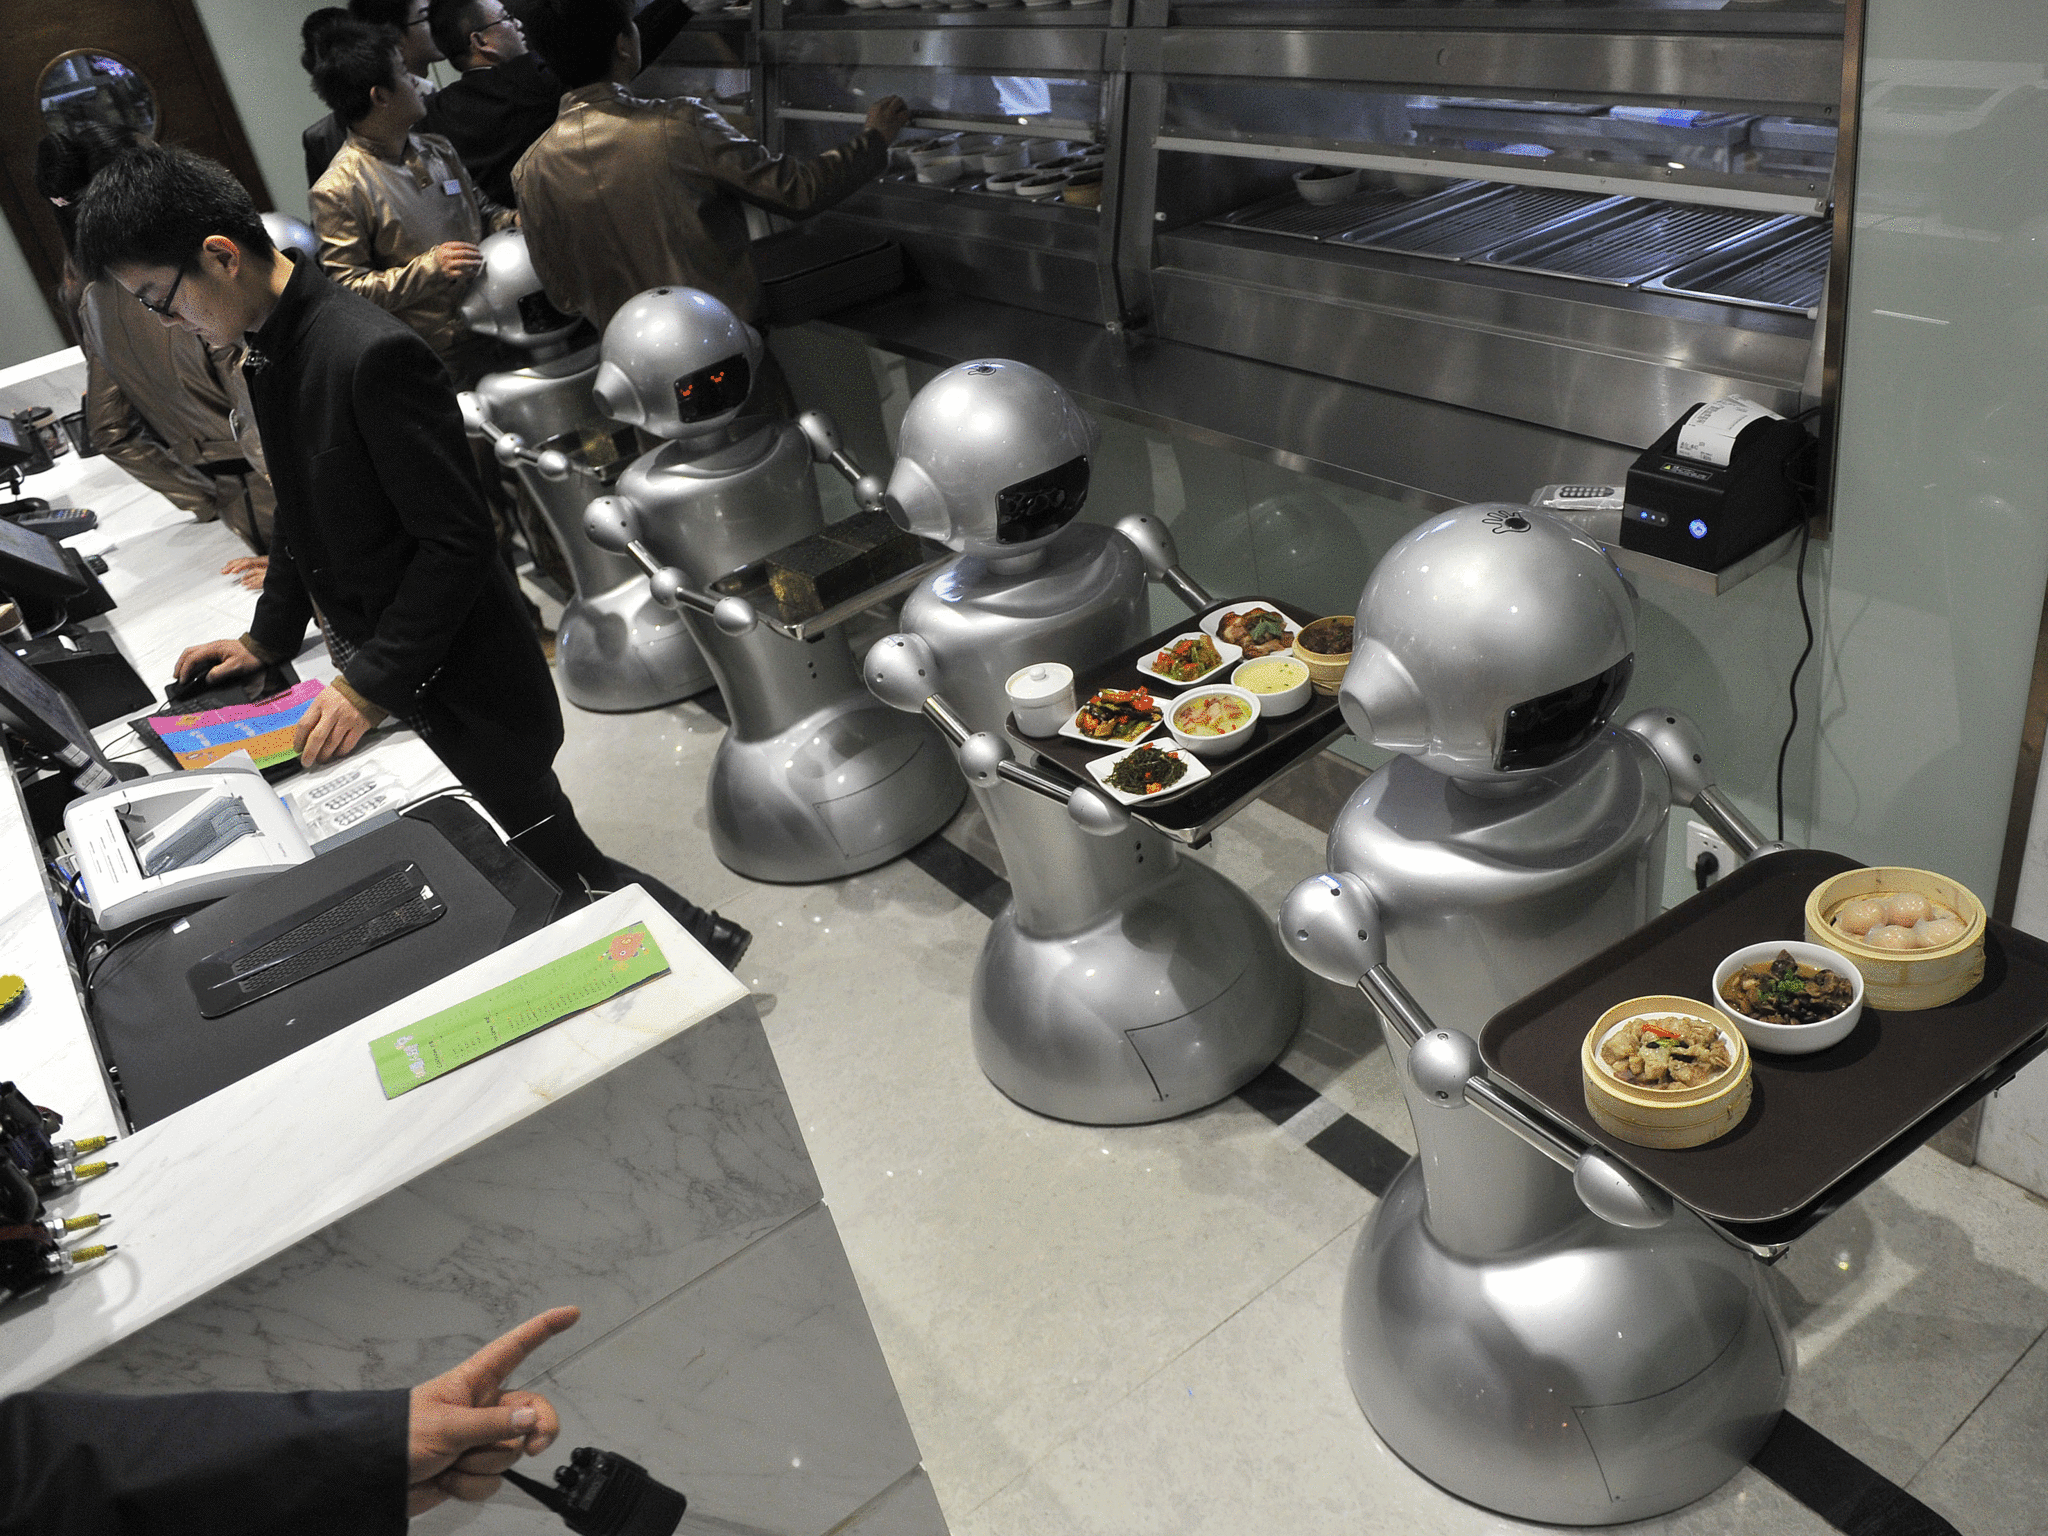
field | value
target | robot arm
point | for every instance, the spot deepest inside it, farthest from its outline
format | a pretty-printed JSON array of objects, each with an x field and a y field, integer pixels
[
  {"x": 903, "y": 673},
  {"x": 822, "y": 433},
  {"x": 1683, "y": 752},
  {"x": 509, "y": 448},
  {"x": 612, "y": 524},
  {"x": 1332, "y": 925},
  {"x": 1162, "y": 560}
]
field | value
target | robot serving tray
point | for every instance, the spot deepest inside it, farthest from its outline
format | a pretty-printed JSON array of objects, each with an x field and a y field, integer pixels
[
  {"x": 1234, "y": 781},
  {"x": 1819, "y": 1128}
]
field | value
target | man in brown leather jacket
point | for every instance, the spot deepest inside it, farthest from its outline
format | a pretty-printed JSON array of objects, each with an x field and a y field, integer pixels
[
  {"x": 624, "y": 194},
  {"x": 398, "y": 217}
]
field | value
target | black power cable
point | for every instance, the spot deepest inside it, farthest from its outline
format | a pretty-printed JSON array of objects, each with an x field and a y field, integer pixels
[{"x": 1807, "y": 489}]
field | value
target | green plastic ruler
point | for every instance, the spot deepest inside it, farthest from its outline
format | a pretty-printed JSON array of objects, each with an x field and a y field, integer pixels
[{"x": 455, "y": 1037}]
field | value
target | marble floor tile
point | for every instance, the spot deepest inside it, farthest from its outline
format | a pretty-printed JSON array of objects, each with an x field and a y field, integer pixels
[
  {"x": 1991, "y": 1479},
  {"x": 1253, "y": 1428},
  {"x": 1911, "y": 1304},
  {"x": 1020, "y": 1271}
]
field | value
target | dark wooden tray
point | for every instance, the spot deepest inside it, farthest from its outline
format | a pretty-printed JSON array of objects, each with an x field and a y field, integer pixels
[
  {"x": 1819, "y": 1128},
  {"x": 1234, "y": 781}
]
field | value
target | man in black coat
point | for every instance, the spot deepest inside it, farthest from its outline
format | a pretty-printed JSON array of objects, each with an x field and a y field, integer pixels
[
  {"x": 264, "y": 1463},
  {"x": 505, "y": 99},
  {"x": 381, "y": 520}
]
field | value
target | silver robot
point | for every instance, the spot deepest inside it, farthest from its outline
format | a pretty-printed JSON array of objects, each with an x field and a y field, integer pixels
[
  {"x": 616, "y": 648},
  {"x": 1123, "y": 983},
  {"x": 1526, "y": 1322},
  {"x": 814, "y": 779}
]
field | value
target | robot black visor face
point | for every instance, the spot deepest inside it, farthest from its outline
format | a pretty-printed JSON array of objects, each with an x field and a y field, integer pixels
[
  {"x": 714, "y": 390},
  {"x": 538, "y": 316},
  {"x": 1546, "y": 730},
  {"x": 1045, "y": 503}
]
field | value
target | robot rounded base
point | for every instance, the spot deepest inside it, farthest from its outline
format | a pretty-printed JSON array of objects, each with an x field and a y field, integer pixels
[
  {"x": 1601, "y": 1376},
  {"x": 1175, "y": 998},
  {"x": 621, "y": 651},
  {"x": 842, "y": 790}
]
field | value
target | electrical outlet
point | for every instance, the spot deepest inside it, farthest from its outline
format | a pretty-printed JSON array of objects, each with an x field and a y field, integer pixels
[{"x": 1702, "y": 839}]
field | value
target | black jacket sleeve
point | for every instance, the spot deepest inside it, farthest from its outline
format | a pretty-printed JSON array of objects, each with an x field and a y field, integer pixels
[
  {"x": 283, "y": 608},
  {"x": 217, "y": 1463}
]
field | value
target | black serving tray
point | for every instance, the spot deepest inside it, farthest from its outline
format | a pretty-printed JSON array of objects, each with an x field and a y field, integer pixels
[
  {"x": 1234, "y": 781},
  {"x": 1820, "y": 1128}
]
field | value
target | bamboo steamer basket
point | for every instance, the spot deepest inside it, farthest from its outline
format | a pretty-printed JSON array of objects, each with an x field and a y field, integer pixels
[
  {"x": 1903, "y": 981},
  {"x": 1673, "y": 1118},
  {"x": 1325, "y": 671}
]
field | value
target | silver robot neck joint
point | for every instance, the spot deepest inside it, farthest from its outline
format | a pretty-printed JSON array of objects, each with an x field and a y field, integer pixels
[
  {"x": 1123, "y": 983},
  {"x": 1495, "y": 1328}
]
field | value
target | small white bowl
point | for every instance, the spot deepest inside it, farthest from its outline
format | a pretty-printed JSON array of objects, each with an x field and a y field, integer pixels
[
  {"x": 1213, "y": 746},
  {"x": 1005, "y": 157},
  {"x": 1317, "y": 187},
  {"x": 1791, "y": 1039},
  {"x": 940, "y": 170},
  {"x": 1287, "y": 701},
  {"x": 1039, "y": 185},
  {"x": 1005, "y": 182}
]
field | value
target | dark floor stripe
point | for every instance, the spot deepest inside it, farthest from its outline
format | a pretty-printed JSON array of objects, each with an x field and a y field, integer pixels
[
  {"x": 1278, "y": 1094},
  {"x": 963, "y": 874},
  {"x": 1357, "y": 1150},
  {"x": 1849, "y": 1495}
]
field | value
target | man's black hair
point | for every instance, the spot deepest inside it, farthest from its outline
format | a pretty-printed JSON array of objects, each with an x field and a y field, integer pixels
[
  {"x": 313, "y": 28},
  {"x": 574, "y": 38},
  {"x": 354, "y": 60},
  {"x": 381, "y": 13},
  {"x": 67, "y": 162},
  {"x": 452, "y": 22},
  {"x": 156, "y": 204}
]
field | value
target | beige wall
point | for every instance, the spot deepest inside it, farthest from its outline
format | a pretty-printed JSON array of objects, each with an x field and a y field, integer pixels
[{"x": 26, "y": 329}]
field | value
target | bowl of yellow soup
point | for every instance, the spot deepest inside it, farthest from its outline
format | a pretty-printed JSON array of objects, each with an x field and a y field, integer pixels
[
  {"x": 1213, "y": 721},
  {"x": 1281, "y": 682}
]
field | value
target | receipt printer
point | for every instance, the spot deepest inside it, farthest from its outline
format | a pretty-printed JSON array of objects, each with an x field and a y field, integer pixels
[
  {"x": 179, "y": 840},
  {"x": 1721, "y": 483}
]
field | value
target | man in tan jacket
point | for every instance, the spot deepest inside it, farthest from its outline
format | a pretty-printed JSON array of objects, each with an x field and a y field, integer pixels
[
  {"x": 396, "y": 212},
  {"x": 624, "y": 194}
]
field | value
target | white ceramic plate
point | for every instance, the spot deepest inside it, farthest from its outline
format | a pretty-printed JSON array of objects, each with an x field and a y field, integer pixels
[
  {"x": 1213, "y": 621},
  {"x": 1073, "y": 732},
  {"x": 1231, "y": 657},
  {"x": 1100, "y": 769}
]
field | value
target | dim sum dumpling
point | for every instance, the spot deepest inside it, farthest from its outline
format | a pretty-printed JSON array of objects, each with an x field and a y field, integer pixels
[
  {"x": 1907, "y": 908},
  {"x": 1937, "y": 931},
  {"x": 1860, "y": 916},
  {"x": 1892, "y": 936}
]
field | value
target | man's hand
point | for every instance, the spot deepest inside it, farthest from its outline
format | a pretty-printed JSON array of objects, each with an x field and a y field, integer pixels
[
  {"x": 456, "y": 260},
  {"x": 219, "y": 659},
  {"x": 250, "y": 568},
  {"x": 889, "y": 117},
  {"x": 465, "y": 1430},
  {"x": 330, "y": 728}
]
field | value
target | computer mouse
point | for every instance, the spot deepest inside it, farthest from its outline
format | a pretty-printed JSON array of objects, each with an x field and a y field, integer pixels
[{"x": 176, "y": 692}]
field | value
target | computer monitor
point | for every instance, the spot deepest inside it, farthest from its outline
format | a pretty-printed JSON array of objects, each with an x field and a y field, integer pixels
[
  {"x": 47, "y": 719},
  {"x": 33, "y": 566}
]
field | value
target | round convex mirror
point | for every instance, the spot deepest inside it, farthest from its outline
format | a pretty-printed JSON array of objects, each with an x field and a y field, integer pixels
[{"x": 88, "y": 86}]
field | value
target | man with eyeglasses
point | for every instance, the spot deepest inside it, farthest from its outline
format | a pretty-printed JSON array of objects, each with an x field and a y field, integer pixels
[
  {"x": 408, "y": 18},
  {"x": 505, "y": 99},
  {"x": 381, "y": 518}
]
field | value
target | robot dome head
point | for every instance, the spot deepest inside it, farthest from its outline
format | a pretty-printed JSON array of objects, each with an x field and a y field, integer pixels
[
  {"x": 1492, "y": 643},
  {"x": 677, "y": 363},
  {"x": 992, "y": 459},
  {"x": 290, "y": 234},
  {"x": 507, "y": 301}
]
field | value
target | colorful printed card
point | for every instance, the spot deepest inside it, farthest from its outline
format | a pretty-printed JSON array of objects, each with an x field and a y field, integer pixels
[
  {"x": 264, "y": 728},
  {"x": 456, "y": 1036}
]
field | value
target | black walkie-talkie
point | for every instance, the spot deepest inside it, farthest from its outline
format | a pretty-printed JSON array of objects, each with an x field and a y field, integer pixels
[{"x": 601, "y": 1493}]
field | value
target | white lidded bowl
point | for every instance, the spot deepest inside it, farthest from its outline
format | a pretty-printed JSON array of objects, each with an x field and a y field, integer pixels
[
  {"x": 1213, "y": 746},
  {"x": 1041, "y": 697},
  {"x": 1286, "y": 701},
  {"x": 1791, "y": 1039},
  {"x": 1317, "y": 186}
]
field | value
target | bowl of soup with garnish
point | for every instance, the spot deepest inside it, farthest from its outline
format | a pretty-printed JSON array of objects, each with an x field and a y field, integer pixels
[
  {"x": 1213, "y": 721},
  {"x": 1281, "y": 682}
]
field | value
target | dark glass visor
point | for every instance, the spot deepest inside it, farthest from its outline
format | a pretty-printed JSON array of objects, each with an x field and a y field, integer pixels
[
  {"x": 714, "y": 390},
  {"x": 538, "y": 316},
  {"x": 1547, "y": 730},
  {"x": 1045, "y": 503}
]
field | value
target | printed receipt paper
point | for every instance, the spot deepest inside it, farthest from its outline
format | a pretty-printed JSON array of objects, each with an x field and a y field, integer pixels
[{"x": 456, "y": 1036}]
